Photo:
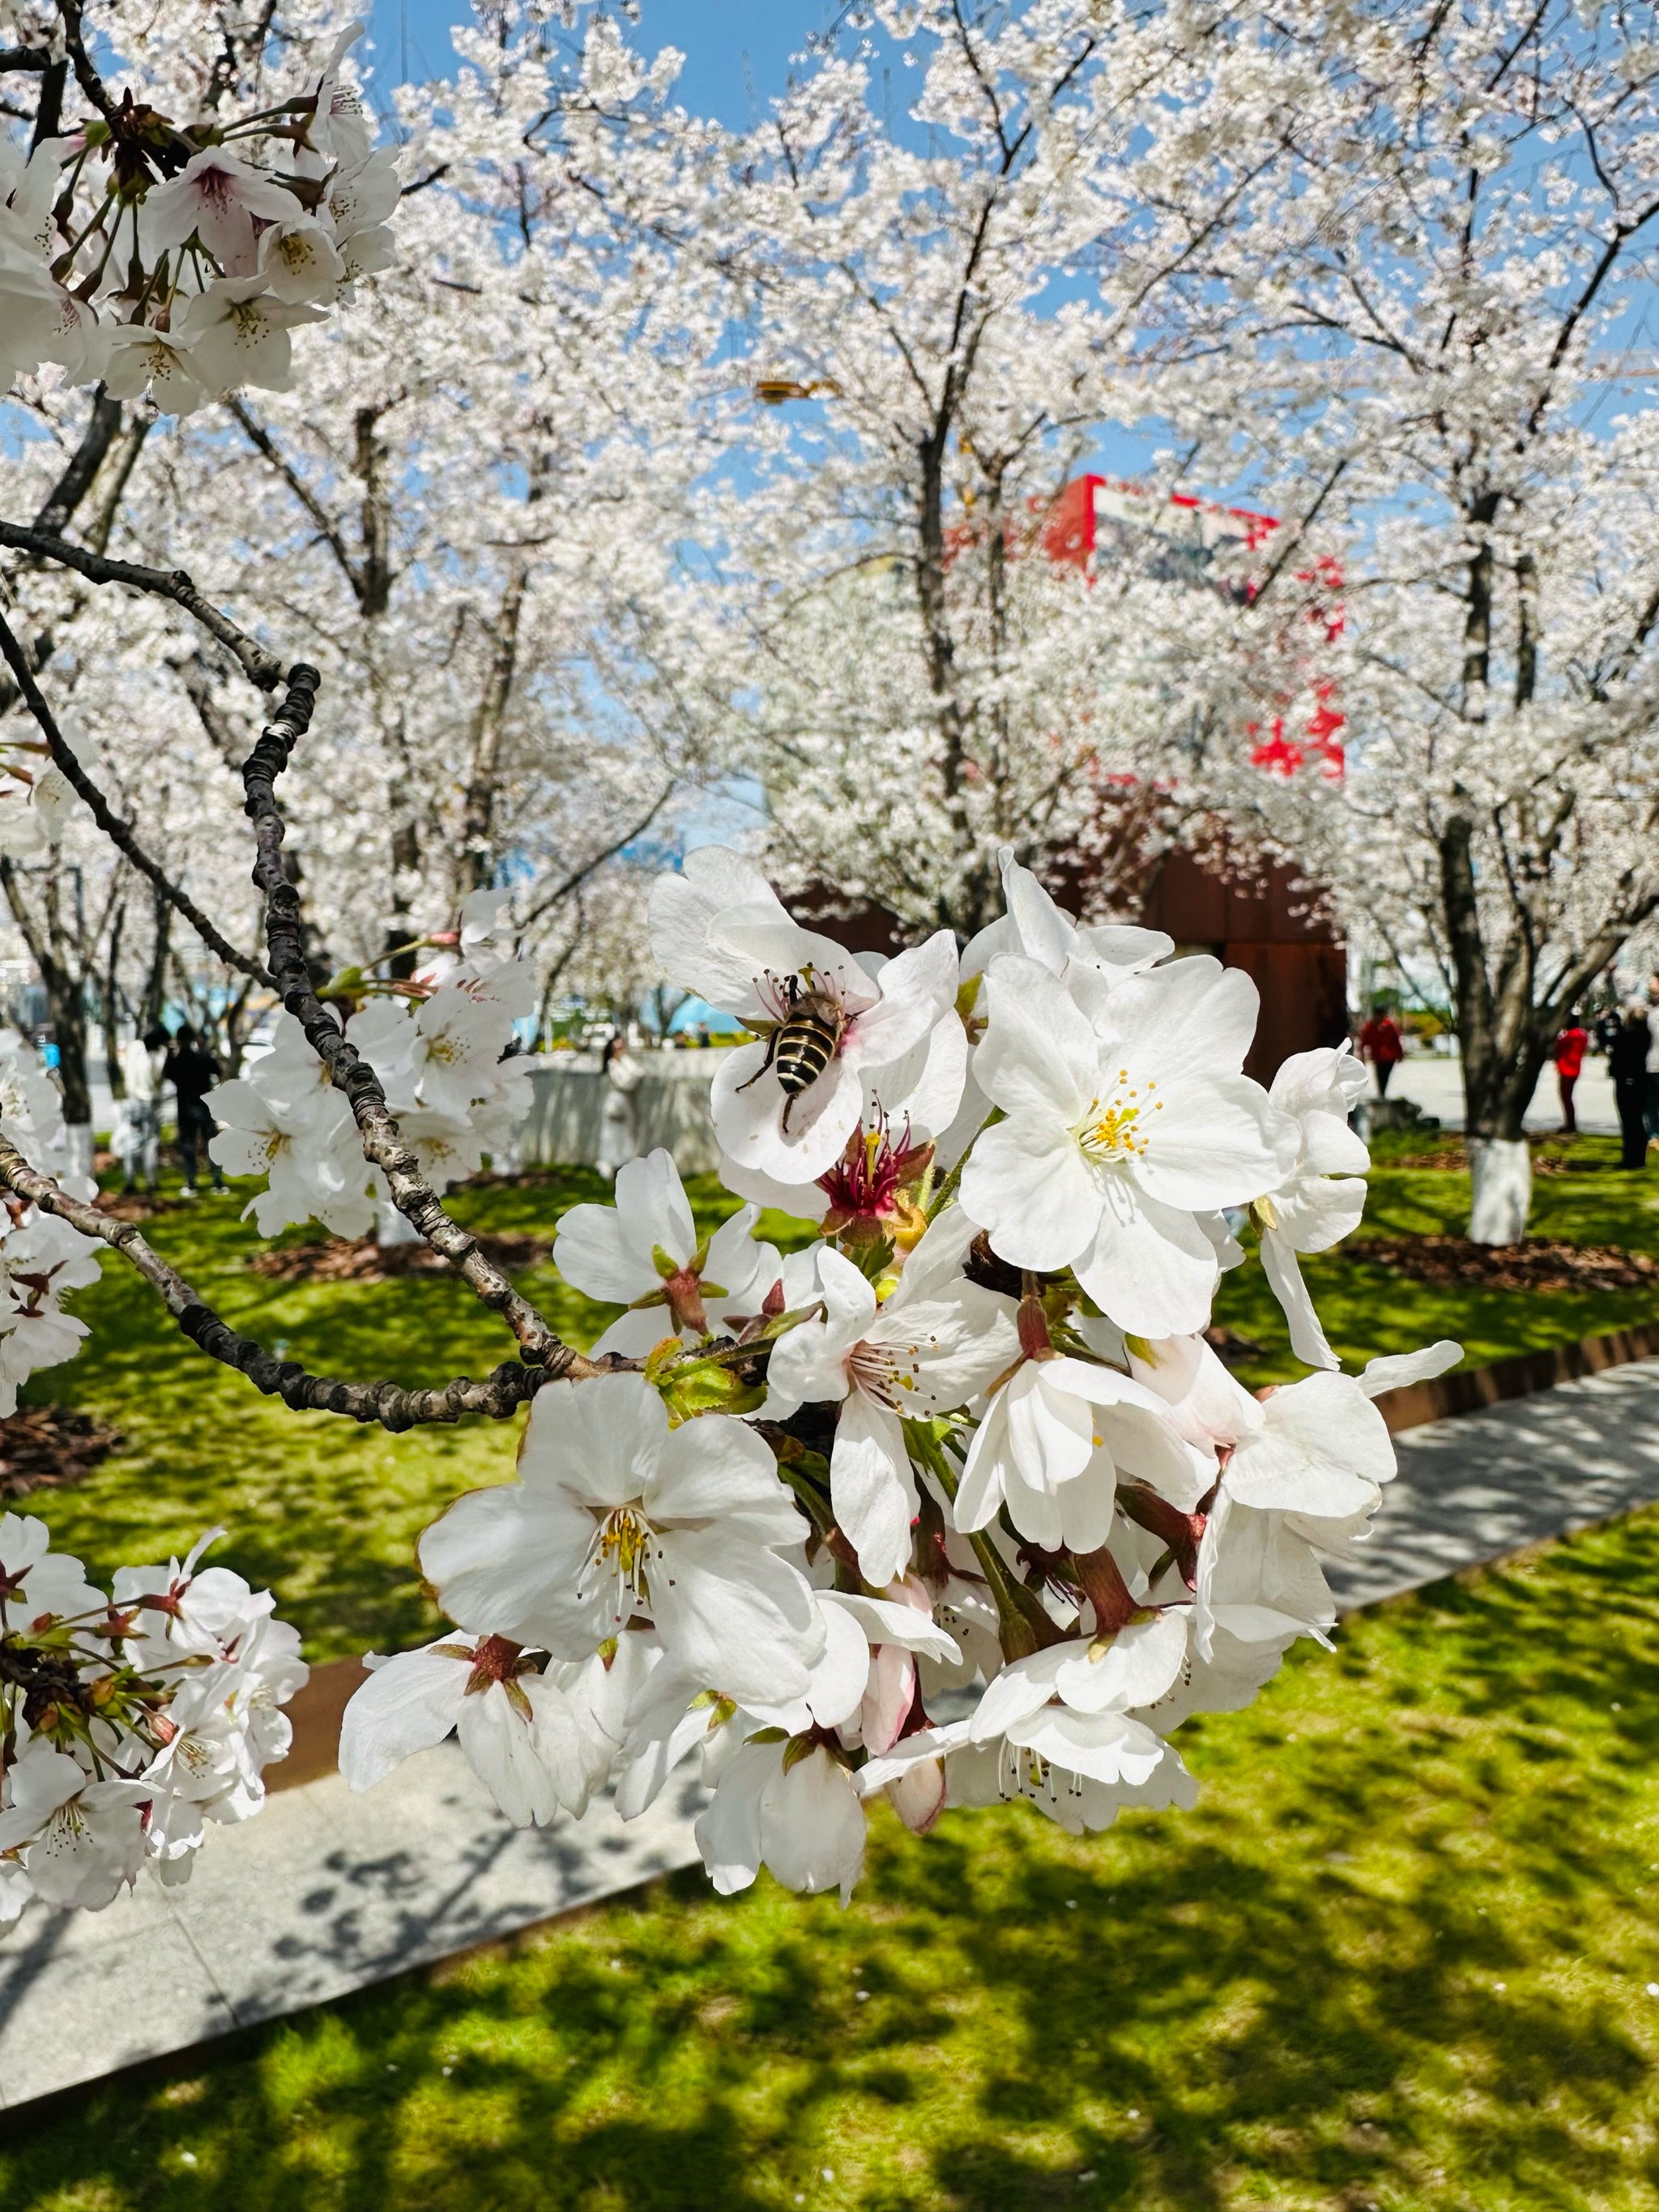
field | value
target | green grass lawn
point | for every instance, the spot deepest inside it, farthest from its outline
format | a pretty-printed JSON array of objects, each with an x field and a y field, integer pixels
[
  {"x": 1399, "y": 1957},
  {"x": 327, "y": 1513},
  {"x": 1369, "y": 1310}
]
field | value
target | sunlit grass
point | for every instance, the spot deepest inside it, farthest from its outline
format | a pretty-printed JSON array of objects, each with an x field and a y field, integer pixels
[
  {"x": 327, "y": 1513},
  {"x": 1399, "y": 1956}
]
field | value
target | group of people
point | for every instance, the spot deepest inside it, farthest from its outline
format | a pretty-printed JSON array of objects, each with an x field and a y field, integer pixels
[
  {"x": 1629, "y": 1035},
  {"x": 1631, "y": 1041},
  {"x": 150, "y": 1065}
]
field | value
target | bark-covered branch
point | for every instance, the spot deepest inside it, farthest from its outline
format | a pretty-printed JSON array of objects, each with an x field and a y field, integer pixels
[
  {"x": 498, "y": 1395},
  {"x": 119, "y": 832},
  {"x": 260, "y": 667},
  {"x": 84, "y": 464},
  {"x": 383, "y": 1144}
]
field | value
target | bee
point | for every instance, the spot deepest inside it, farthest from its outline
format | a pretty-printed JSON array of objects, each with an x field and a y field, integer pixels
[{"x": 803, "y": 1044}]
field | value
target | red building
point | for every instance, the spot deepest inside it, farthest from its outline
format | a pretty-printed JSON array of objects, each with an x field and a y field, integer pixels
[{"x": 1268, "y": 922}]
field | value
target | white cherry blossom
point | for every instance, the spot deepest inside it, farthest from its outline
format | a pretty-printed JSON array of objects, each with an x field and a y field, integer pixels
[
  {"x": 797, "y": 1814},
  {"x": 718, "y": 928},
  {"x": 79, "y": 1840},
  {"x": 308, "y": 1150},
  {"x": 1121, "y": 1124},
  {"x": 616, "y": 1517},
  {"x": 237, "y": 331},
  {"x": 934, "y": 1345},
  {"x": 644, "y": 1253},
  {"x": 36, "y": 1582},
  {"x": 515, "y": 1724},
  {"x": 215, "y": 197},
  {"x": 1321, "y": 1200},
  {"x": 1051, "y": 1446}
]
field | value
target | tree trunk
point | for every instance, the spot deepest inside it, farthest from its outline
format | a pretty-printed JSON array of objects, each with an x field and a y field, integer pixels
[
  {"x": 109, "y": 995},
  {"x": 1500, "y": 1172},
  {"x": 69, "y": 1027},
  {"x": 155, "y": 983},
  {"x": 66, "y": 998}
]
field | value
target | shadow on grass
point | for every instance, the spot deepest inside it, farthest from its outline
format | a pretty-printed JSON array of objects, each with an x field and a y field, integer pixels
[{"x": 1398, "y": 1956}]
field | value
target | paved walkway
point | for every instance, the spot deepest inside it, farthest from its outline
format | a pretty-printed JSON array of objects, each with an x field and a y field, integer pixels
[
  {"x": 325, "y": 1892},
  {"x": 1435, "y": 1082}
]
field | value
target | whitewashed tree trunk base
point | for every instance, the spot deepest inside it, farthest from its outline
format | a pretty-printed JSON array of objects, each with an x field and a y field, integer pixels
[
  {"x": 1500, "y": 1169},
  {"x": 77, "y": 1147}
]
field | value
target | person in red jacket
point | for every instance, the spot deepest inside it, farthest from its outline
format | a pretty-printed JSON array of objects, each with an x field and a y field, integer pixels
[
  {"x": 1568, "y": 1054},
  {"x": 1381, "y": 1043}
]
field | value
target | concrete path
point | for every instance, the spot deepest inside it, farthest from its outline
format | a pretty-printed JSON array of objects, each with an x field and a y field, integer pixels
[
  {"x": 325, "y": 1892},
  {"x": 322, "y": 1894},
  {"x": 1434, "y": 1081}
]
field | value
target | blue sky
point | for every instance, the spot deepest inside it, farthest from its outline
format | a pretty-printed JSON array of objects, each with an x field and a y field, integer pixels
[{"x": 737, "y": 51}]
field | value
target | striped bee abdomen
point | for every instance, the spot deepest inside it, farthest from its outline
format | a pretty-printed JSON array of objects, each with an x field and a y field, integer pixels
[
  {"x": 802, "y": 1045},
  {"x": 803, "y": 1048}
]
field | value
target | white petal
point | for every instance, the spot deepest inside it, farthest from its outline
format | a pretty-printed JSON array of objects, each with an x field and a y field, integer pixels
[
  {"x": 728, "y": 1829},
  {"x": 885, "y": 1622},
  {"x": 501, "y": 1749},
  {"x": 1136, "y": 1669},
  {"x": 735, "y": 1616},
  {"x": 1214, "y": 1143},
  {"x": 1028, "y": 1184},
  {"x": 749, "y": 1107},
  {"x": 506, "y": 1562},
  {"x": 1023, "y": 1688},
  {"x": 1307, "y": 1339},
  {"x": 1193, "y": 1018},
  {"x": 873, "y": 1488},
  {"x": 1395, "y": 1372},
  {"x": 917, "y": 989},
  {"x": 408, "y": 1703},
  {"x": 1039, "y": 1058},
  {"x": 840, "y": 1678},
  {"x": 599, "y": 1440},
  {"x": 716, "y": 1469},
  {"x": 1150, "y": 1268},
  {"x": 812, "y": 1824}
]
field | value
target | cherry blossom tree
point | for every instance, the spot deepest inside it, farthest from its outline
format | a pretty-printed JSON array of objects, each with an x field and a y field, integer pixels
[
  {"x": 926, "y": 319},
  {"x": 1437, "y": 377},
  {"x": 970, "y": 1438}
]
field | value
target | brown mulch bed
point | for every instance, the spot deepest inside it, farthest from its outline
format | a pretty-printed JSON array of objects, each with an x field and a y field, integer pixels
[
  {"x": 138, "y": 1205},
  {"x": 1542, "y": 1263},
  {"x": 362, "y": 1261},
  {"x": 1458, "y": 1161},
  {"x": 47, "y": 1447}
]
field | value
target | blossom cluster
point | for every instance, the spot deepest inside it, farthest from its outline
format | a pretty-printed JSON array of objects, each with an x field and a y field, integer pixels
[
  {"x": 176, "y": 259},
  {"x": 438, "y": 1048},
  {"x": 128, "y": 1721},
  {"x": 955, "y": 1502}
]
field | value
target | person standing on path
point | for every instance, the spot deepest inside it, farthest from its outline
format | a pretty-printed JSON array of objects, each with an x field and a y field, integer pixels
[
  {"x": 620, "y": 1077},
  {"x": 190, "y": 1071},
  {"x": 1569, "y": 1057},
  {"x": 141, "y": 1059},
  {"x": 1628, "y": 1064},
  {"x": 1650, "y": 1095},
  {"x": 1381, "y": 1043}
]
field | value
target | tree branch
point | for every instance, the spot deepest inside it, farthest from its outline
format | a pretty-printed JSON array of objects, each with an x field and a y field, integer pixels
[
  {"x": 119, "y": 832},
  {"x": 383, "y": 1146},
  {"x": 260, "y": 667},
  {"x": 72, "y": 487},
  {"x": 499, "y": 1395}
]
